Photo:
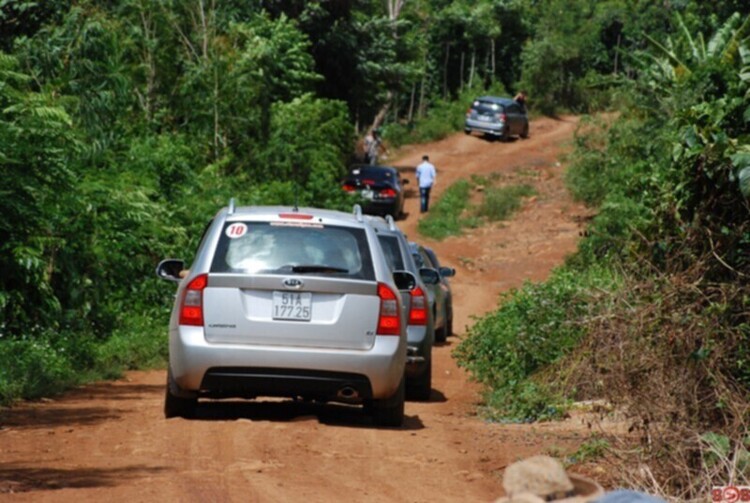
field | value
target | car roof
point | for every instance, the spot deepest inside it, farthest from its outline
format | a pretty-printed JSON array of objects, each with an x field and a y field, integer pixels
[
  {"x": 496, "y": 99},
  {"x": 382, "y": 224},
  {"x": 273, "y": 213},
  {"x": 371, "y": 168}
]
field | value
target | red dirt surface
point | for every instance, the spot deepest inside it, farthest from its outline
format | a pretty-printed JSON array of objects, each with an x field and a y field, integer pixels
[{"x": 110, "y": 442}]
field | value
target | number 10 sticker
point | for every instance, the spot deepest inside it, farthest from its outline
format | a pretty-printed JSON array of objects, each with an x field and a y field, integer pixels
[{"x": 236, "y": 230}]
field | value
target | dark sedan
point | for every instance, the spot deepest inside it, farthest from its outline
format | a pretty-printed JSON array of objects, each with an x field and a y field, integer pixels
[{"x": 380, "y": 187}]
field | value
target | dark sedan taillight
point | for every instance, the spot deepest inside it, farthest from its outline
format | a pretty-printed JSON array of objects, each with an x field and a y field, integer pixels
[{"x": 388, "y": 193}]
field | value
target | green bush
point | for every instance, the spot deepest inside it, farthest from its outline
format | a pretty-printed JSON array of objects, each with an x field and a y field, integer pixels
[
  {"x": 534, "y": 327},
  {"x": 140, "y": 343},
  {"x": 33, "y": 368},
  {"x": 500, "y": 202}
]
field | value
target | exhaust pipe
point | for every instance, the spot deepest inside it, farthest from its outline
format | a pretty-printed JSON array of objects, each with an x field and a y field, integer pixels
[{"x": 347, "y": 393}]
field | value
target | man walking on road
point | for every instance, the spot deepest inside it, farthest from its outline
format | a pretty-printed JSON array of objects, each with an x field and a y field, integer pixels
[{"x": 426, "y": 179}]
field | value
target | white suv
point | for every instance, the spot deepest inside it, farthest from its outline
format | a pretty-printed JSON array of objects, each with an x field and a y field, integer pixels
[{"x": 290, "y": 303}]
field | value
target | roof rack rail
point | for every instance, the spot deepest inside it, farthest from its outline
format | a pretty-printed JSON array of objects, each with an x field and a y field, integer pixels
[
  {"x": 391, "y": 222},
  {"x": 357, "y": 210},
  {"x": 230, "y": 211}
]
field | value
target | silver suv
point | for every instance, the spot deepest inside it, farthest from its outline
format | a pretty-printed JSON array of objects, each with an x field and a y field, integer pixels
[
  {"x": 499, "y": 117},
  {"x": 288, "y": 303},
  {"x": 419, "y": 309}
]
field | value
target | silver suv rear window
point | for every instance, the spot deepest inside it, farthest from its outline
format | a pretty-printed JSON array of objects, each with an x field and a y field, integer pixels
[{"x": 276, "y": 248}]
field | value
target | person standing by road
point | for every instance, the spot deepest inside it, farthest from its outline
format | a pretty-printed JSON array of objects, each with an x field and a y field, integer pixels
[
  {"x": 373, "y": 146},
  {"x": 426, "y": 179}
]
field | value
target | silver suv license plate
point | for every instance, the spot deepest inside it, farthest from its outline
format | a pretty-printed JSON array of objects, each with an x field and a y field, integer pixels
[{"x": 292, "y": 306}]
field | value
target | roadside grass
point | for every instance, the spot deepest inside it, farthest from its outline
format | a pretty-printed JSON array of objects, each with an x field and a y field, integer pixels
[
  {"x": 453, "y": 212},
  {"x": 499, "y": 203},
  {"x": 45, "y": 365},
  {"x": 446, "y": 217},
  {"x": 535, "y": 327}
]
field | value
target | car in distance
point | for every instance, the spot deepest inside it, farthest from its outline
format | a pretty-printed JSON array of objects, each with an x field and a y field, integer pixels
[
  {"x": 380, "y": 188},
  {"x": 282, "y": 302},
  {"x": 445, "y": 273},
  {"x": 498, "y": 117},
  {"x": 437, "y": 294},
  {"x": 419, "y": 314}
]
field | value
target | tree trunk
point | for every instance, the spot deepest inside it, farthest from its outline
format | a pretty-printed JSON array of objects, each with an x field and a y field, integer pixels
[
  {"x": 445, "y": 69},
  {"x": 473, "y": 62},
  {"x": 461, "y": 72},
  {"x": 380, "y": 117},
  {"x": 492, "y": 48},
  {"x": 411, "y": 101},
  {"x": 216, "y": 113},
  {"x": 617, "y": 53},
  {"x": 147, "y": 101},
  {"x": 487, "y": 62},
  {"x": 420, "y": 111}
]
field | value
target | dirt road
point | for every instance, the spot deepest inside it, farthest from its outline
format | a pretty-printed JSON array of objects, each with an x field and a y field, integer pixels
[{"x": 110, "y": 442}]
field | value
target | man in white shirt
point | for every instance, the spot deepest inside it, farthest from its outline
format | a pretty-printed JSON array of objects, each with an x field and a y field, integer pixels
[{"x": 426, "y": 179}]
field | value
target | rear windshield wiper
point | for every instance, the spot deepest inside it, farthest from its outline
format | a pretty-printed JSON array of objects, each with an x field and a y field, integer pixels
[{"x": 317, "y": 268}]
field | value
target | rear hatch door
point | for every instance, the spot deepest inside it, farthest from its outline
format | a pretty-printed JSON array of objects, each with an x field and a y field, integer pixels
[{"x": 295, "y": 285}]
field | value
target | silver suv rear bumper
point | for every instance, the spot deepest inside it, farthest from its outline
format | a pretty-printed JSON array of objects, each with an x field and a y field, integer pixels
[{"x": 191, "y": 357}]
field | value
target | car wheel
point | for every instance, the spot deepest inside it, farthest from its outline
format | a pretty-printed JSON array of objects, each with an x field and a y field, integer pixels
[
  {"x": 440, "y": 334},
  {"x": 467, "y": 131},
  {"x": 390, "y": 411},
  {"x": 525, "y": 132},
  {"x": 420, "y": 387},
  {"x": 175, "y": 406},
  {"x": 449, "y": 328}
]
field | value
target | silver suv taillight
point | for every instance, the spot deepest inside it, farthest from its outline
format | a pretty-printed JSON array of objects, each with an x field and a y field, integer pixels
[
  {"x": 191, "y": 309},
  {"x": 418, "y": 311},
  {"x": 389, "y": 320}
]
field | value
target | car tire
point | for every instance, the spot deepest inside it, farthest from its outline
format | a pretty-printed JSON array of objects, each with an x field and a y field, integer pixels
[
  {"x": 449, "y": 327},
  {"x": 389, "y": 412},
  {"x": 440, "y": 334},
  {"x": 525, "y": 132},
  {"x": 175, "y": 406},
  {"x": 420, "y": 387},
  {"x": 467, "y": 131}
]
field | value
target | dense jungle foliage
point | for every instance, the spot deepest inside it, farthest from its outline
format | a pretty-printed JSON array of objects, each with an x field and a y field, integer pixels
[
  {"x": 653, "y": 312},
  {"x": 124, "y": 124}
]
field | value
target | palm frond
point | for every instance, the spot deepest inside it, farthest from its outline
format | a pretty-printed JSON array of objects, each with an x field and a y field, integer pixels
[
  {"x": 677, "y": 63},
  {"x": 689, "y": 38},
  {"x": 723, "y": 36}
]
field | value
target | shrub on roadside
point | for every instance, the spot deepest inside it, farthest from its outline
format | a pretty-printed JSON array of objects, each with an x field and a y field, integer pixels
[
  {"x": 32, "y": 368},
  {"x": 534, "y": 327},
  {"x": 500, "y": 202}
]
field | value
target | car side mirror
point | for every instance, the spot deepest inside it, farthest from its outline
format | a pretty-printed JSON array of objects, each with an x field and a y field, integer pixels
[
  {"x": 404, "y": 280},
  {"x": 429, "y": 276},
  {"x": 170, "y": 269},
  {"x": 447, "y": 272}
]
